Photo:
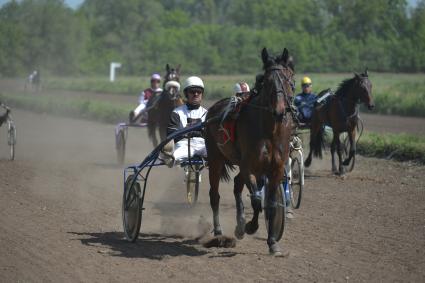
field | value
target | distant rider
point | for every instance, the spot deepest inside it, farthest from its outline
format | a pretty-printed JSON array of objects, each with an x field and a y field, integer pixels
[
  {"x": 241, "y": 93},
  {"x": 144, "y": 97},
  {"x": 186, "y": 115},
  {"x": 305, "y": 101}
]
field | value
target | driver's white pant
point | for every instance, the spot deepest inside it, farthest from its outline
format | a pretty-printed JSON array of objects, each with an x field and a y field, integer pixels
[
  {"x": 139, "y": 109},
  {"x": 197, "y": 147}
]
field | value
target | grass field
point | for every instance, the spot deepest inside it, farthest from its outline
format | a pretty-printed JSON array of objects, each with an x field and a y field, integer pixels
[{"x": 400, "y": 94}]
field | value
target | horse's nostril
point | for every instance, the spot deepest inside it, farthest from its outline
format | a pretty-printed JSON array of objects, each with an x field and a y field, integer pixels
[{"x": 371, "y": 107}]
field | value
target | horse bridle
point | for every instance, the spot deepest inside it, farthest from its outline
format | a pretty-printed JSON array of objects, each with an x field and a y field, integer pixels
[{"x": 281, "y": 92}]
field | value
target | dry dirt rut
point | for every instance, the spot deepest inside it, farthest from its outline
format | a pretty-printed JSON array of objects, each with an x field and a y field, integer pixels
[{"x": 60, "y": 218}]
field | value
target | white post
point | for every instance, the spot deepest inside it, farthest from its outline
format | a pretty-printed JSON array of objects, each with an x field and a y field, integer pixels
[{"x": 114, "y": 66}]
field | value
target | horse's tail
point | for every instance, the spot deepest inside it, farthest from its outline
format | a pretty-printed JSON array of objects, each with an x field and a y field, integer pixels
[
  {"x": 317, "y": 142},
  {"x": 224, "y": 175}
]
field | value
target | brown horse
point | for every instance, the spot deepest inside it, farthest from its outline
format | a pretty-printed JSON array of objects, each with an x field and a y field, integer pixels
[
  {"x": 262, "y": 133},
  {"x": 161, "y": 106},
  {"x": 340, "y": 112}
]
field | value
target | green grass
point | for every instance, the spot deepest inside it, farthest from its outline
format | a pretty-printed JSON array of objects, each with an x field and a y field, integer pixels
[
  {"x": 401, "y": 147},
  {"x": 400, "y": 94}
]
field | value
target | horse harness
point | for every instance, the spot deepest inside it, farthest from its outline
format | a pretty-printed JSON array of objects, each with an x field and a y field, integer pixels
[{"x": 280, "y": 93}]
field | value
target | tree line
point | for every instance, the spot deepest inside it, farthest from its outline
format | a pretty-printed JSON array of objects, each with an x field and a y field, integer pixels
[{"x": 210, "y": 36}]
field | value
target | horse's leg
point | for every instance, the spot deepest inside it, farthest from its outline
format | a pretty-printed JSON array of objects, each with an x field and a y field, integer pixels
[
  {"x": 313, "y": 134},
  {"x": 333, "y": 148},
  {"x": 338, "y": 150},
  {"x": 351, "y": 138},
  {"x": 152, "y": 133},
  {"x": 270, "y": 210},
  {"x": 240, "y": 216},
  {"x": 252, "y": 226},
  {"x": 215, "y": 167}
]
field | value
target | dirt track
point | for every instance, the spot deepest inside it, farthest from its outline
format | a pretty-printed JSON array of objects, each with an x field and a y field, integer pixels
[{"x": 61, "y": 218}]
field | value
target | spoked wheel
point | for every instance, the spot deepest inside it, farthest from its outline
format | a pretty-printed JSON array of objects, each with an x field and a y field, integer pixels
[
  {"x": 192, "y": 184},
  {"x": 297, "y": 181},
  {"x": 346, "y": 152},
  {"x": 132, "y": 209},
  {"x": 280, "y": 217},
  {"x": 12, "y": 140},
  {"x": 120, "y": 146}
]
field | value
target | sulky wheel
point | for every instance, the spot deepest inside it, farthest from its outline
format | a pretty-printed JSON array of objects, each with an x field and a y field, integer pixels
[
  {"x": 120, "y": 146},
  {"x": 280, "y": 217},
  {"x": 297, "y": 182},
  {"x": 12, "y": 140},
  {"x": 131, "y": 209},
  {"x": 192, "y": 185}
]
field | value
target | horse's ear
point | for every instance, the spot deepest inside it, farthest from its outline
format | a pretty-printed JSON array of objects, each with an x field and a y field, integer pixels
[
  {"x": 167, "y": 67},
  {"x": 366, "y": 74},
  {"x": 265, "y": 56},
  {"x": 356, "y": 75},
  {"x": 291, "y": 63},
  {"x": 178, "y": 68},
  {"x": 285, "y": 56}
]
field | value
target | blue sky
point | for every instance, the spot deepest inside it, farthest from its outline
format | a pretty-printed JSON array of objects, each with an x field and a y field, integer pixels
[{"x": 75, "y": 3}]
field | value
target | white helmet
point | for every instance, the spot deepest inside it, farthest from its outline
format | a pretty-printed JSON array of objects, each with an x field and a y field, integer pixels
[
  {"x": 155, "y": 77},
  {"x": 241, "y": 87},
  {"x": 193, "y": 82},
  {"x": 171, "y": 84}
]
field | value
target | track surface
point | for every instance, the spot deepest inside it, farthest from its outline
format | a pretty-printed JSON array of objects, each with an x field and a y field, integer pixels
[{"x": 60, "y": 218}]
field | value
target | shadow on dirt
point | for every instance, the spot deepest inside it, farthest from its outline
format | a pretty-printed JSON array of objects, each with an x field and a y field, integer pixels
[{"x": 151, "y": 246}]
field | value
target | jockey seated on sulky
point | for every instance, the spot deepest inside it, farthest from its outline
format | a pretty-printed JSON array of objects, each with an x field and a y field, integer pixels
[
  {"x": 183, "y": 116},
  {"x": 144, "y": 97},
  {"x": 305, "y": 101}
]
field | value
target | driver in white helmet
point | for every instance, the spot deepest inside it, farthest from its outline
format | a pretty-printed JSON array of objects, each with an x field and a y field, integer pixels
[{"x": 186, "y": 115}]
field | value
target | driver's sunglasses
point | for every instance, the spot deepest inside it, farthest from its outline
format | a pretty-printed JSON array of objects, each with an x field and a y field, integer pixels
[
  {"x": 306, "y": 85},
  {"x": 195, "y": 91},
  {"x": 155, "y": 81}
]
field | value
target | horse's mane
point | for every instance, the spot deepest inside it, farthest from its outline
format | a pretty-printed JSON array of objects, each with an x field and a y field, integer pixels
[{"x": 344, "y": 86}]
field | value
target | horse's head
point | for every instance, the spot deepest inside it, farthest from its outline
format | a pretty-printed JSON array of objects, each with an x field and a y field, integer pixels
[
  {"x": 171, "y": 89},
  {"x": 171, "y": 82},
  {"x": 364, "y": 89},
  {"x": 278, "y": 81},
  {"x": 173, "y": 74}
]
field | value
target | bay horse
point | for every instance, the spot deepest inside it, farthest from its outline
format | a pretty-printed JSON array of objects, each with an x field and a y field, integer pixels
[
  {"x": 161, "y": 106},
  {"x": 341, "y": 113},
  {"x": 261, "y": 146}
]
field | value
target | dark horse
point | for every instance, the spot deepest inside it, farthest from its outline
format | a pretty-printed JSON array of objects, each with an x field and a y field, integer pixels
[
  {"x": 160, "y": 107},
  {"x": 260, "y": 148},
  {"x": 340, "y": 112}
]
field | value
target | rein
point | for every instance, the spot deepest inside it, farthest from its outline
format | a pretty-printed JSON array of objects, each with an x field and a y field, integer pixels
[{"x": 280, "y": 93}]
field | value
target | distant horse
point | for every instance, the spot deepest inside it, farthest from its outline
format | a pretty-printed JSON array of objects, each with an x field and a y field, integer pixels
[
  {"x": 261, "y": 146},
  {"x": 161, "y": 106},
  {"x": 341, "y": 113}
]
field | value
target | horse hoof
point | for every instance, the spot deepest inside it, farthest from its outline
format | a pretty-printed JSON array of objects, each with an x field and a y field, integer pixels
[
  {"x": 239, "y": 233},
  {"x": 251, "y": 228},
  {"x": 240, "y": 230},
  {"x": 307, "y": 162},
  {"x": 275, "y": 251},
  {"x": 220, "y": 242},
  {"x": 290, "y": 214}
]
